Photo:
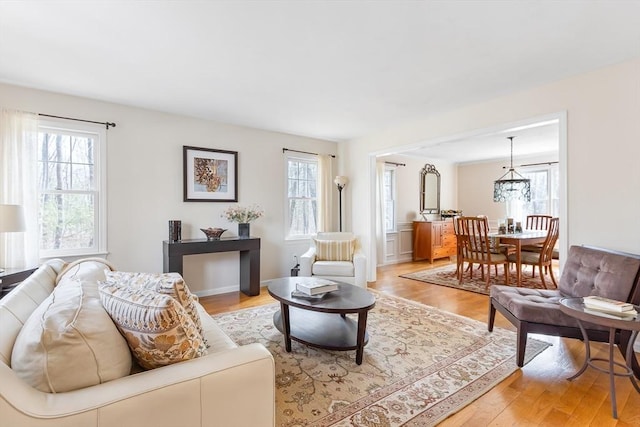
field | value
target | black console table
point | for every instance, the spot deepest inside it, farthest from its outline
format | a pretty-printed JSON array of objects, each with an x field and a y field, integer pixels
[
  {"x": 11, "y": 277},
  {"x": 249, "y": 248}
]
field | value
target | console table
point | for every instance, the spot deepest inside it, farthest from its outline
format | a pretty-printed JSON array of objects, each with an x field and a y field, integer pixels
[
  {"x": 249, "y": 248},
  {"x": 11, "y": 277}
]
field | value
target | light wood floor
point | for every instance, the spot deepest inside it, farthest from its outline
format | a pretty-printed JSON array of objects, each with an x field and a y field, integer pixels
[{"x": 536, "y": 395}]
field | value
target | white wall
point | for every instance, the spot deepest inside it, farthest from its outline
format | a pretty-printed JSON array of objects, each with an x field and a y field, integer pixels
[
  {"x": 399, "y": 243},
  {"x": 603, "y": 131},
  {"x": 144, "y": 164},
  {"x": 408, "y": 185}
]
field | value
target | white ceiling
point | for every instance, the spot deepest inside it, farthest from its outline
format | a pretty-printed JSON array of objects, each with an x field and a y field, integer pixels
[
  {"x": 535, "y": 139},
  {"x": 334, "y": 70}
]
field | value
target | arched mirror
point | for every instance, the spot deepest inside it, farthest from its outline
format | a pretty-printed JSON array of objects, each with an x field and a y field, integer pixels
[{"x": 429, "y": 190}]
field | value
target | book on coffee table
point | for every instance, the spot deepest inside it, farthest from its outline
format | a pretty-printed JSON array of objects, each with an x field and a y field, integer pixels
[
  {"x": 316, "y": 286},
  {"x": 302, "y": 295},
  {"x": 597, "y": 302},
  {"x": 623, "y": 315}
]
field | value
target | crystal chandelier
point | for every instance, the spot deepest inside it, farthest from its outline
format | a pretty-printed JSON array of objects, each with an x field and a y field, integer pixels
[{"x": 511, "y": 185}]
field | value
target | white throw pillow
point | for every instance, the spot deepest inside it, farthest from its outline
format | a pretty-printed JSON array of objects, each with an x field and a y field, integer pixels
[{"x": 70, "y": 342}]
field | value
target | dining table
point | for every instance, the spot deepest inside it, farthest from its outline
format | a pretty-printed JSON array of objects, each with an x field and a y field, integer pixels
[{"x": 526, "y": 237}]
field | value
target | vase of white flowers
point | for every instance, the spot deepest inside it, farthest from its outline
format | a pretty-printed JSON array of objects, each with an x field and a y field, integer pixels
[{"x": 243, "y": 216}]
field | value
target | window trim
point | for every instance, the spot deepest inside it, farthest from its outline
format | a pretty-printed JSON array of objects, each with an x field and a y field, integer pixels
[
  {"x": 100, "y": 214},
  {"x": 288, "y": 157}
]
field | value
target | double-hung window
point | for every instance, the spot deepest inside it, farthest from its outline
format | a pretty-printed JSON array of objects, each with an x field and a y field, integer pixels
[
  {"x": 301, "y": 210},
  {"x": 390, "y": 198},
  {"x": 71, "y": 189},
  {"x": 544, "y": 191}
]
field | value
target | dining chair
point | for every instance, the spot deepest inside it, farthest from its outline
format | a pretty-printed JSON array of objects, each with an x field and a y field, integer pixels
[
  {"x": 544, "y": 258},
  {"x": 459, "y": 244},
  {"x": 536, "y": 222},
  {"x": 476, "y": 248}
]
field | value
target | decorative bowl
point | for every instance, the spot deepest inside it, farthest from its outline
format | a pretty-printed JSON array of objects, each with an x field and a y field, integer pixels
[{"x": 213, "y": 233}]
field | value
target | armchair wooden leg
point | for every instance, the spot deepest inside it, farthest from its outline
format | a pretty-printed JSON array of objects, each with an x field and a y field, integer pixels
[
  {"x": 522, "y": 344},
  {"x": 492, "y": 315}
]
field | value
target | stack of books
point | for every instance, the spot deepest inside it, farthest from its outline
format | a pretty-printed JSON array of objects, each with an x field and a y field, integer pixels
[
  {"x": 619, "y": 309},
  {"x": 314, "y": 288}
]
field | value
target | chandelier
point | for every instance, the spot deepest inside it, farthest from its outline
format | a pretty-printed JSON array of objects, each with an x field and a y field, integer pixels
[{"x": 511, "y": 185}]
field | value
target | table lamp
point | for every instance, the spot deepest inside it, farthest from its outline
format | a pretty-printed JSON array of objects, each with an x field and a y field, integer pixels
[{"x": 11, "y": 220}]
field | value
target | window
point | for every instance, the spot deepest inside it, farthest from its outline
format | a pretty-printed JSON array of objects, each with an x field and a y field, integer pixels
[
  {"x": 72, "y": 205},
  {"x": 389, "y": 198},
  {"x": 545, "y": 200},
  {"x": 302, "y": 203}
]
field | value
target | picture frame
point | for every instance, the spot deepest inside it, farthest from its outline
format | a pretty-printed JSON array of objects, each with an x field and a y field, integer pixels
[{"x": 210, "y": 175}]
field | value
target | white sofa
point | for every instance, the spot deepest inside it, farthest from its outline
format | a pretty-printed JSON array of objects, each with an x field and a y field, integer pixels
[
  {"x": 353, "y": 271},
  {"x": 230, "y": 386}
]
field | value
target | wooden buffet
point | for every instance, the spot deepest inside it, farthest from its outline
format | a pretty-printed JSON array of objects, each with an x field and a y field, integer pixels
[{"x": 433, "y": 240}]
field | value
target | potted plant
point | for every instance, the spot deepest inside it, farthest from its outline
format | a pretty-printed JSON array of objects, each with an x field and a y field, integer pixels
[{"x": 243, "y": 216}]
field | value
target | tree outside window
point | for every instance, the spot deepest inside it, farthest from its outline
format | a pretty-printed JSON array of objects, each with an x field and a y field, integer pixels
[
  {"x": 69, "y": 191},
  {"x": 302, "y": 209}
]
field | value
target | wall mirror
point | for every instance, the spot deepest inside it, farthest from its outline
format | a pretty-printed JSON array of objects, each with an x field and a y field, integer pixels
[{"x": 429, "y": 190}]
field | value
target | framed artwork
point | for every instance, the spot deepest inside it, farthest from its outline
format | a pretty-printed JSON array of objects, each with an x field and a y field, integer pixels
[{"x": 210, "y": 175}]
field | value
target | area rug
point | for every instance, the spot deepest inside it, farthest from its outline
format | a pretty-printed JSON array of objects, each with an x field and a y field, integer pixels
[
  {"x": 420, "y": 366},
  {"x": 446, "y": 276}
]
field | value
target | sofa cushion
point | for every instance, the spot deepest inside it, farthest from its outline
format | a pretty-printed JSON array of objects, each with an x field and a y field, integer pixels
[
  {"x": 86, "y": 269},
  {"x": 334, "y": 250},
  {"x": 171, "y": 284},
  {"x": 332, "y": 268},
  {"x": 17, "y": 306},
  {"x": 69, "y": 342},
  {"x": 157, "y": 328}
]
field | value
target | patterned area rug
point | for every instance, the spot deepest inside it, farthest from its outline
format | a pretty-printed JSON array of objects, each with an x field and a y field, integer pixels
[
  {"x": 421, "y": 365},
  {"x": 446, "y": 276}
]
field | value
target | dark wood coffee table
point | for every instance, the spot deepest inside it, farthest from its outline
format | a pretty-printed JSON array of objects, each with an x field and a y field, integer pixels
[{"x": 323, "y": 323}]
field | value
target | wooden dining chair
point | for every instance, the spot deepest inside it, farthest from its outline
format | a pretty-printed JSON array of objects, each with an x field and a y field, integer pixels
[
  {"x": 543, "y": 259},
  {"x": 476, "y": 248},
  {"x": 459, "y": 244},
  {"x": 538, "y": 222}
]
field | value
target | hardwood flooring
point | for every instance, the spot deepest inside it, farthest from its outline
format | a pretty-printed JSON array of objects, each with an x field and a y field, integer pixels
[{"x": 536, "y": 395}]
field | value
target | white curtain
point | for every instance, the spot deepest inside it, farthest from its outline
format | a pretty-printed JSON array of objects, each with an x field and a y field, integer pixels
[
  {"x": 18, "y": 185},
  {"x": 381, "y": 232},
  {"x": 325, "y": 192}
]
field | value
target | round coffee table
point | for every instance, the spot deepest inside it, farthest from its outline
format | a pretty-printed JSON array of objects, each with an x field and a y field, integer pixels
[
  {"x": 323, "y": 323},
  {"x": 574, "y": 307}
]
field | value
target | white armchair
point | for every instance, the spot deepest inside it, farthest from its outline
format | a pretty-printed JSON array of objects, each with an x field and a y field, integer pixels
[{"x": 337, "y": 256}]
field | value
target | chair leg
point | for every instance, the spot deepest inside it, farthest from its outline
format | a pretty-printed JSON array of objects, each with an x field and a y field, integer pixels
[
  {"x": 544, "y": 284},
  {"x": 553, "y": 278},
  {"x": 522, "y": 344},
  {"x": 506, "y": 273},
  {"x": 492, "y": 315}
]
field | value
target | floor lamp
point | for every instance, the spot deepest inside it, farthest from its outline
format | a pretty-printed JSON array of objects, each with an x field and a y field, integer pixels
[
  {"x": 11, "y": 220},
  {"x": 341, "y": 182}
]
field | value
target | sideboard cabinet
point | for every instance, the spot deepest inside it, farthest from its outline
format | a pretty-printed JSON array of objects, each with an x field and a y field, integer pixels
[{"x": 433, "y": 240}]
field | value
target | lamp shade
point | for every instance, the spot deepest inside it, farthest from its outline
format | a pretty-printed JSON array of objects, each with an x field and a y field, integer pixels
[
  {"x": 11, "y": 218},
  {"x": 341, "y": 181},
  {"x": 505, "y": 190}
]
